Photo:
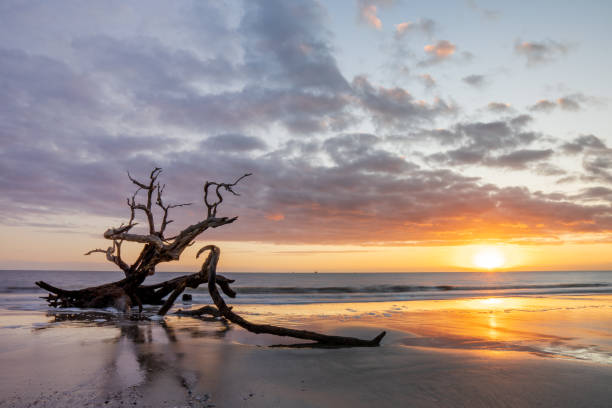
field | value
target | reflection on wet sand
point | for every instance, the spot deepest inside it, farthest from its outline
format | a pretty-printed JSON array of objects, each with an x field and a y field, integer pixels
[
  {"x": 147, "y": 356},
  {"x": 97, "y": 358},
  {"x": 562, "y": 326}
]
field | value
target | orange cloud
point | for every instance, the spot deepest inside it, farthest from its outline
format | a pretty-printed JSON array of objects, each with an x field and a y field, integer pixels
[
  {"x": 275, "y": 217},
  {"x": 442, "y": 49},
  {"x": 368, "y": 14},
  {"x": 401, "y": 28}
]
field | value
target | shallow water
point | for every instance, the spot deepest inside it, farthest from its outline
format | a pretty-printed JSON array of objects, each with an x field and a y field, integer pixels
[{"x": 438, "y": 352}]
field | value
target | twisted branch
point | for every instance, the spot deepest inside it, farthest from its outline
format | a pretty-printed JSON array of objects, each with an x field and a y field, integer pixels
[
  {"x": 212, "y": 206},
  {"x": 322, "y": 339}
]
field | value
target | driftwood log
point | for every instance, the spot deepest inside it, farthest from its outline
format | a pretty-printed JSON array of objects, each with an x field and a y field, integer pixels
[{"x": 131, "y": 292}]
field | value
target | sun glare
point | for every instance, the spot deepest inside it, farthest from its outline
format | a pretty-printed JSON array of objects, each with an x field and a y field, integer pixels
[{"x": 489, "y": 258}]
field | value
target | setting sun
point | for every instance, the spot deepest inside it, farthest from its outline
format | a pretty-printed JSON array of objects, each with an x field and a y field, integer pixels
[{"x": 489, "y": 258}]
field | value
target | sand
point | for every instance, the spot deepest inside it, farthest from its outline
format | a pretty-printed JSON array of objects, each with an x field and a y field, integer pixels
[{"x": 510, "y": 352}]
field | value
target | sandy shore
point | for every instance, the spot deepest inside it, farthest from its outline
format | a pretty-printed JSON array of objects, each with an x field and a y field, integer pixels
[{"x": 508, "y": 352}]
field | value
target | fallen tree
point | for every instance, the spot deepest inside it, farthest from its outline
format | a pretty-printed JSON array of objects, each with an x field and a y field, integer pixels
[{"x": 131, "y": 292}]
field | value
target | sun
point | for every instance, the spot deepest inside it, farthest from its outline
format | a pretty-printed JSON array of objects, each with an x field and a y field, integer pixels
[{"x": 489, "y": 258}]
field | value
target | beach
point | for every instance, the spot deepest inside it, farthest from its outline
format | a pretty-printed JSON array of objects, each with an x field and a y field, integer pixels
[{"x": 549, "y": 351}]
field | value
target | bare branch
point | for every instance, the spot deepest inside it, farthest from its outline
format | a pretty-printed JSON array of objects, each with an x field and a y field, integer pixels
[
  {"x": 138, "y": 183},
  {"x": 212, "y": 206},
  {"x": 165, "y": 208},
  {"x": 119, "y": 233},
  {"x": 116, "y": 259},
  {"x": 150, "y": 188}
]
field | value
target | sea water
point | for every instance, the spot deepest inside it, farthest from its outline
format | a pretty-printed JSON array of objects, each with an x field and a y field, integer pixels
[{"x": 18, "y": 291}]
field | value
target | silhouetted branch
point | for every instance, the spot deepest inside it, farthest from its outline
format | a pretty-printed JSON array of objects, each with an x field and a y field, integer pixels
[{"x": 212, "y": 206}]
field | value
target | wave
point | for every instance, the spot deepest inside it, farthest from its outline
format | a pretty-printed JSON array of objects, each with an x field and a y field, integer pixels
[
  {"x": 408, "y": 288},
  {"x": 19, "y": 289},
  {"x": 373, "y": 289}
]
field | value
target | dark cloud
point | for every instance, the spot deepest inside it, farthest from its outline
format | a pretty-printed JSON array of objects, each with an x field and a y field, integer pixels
[
  {"x": 233, "y": 142},
  {"x": 477, "y": 81},
  {"x": 499, "y": 107},
  {"x": 520, "y": 158},
  {"x": 520, "y": 121},
  {"x": 540, "y": 52},
  {"x": 571, "y": 103},
  {"x": 287, "y": 42},
  {"x": 363, "y": 194},
  {"x": 596, "y": 194},
  {"x": 596, "y": 157},
  {"x": 495, "y": 144},
  {"x": 493, "y": 135},
  {"x": 583, "y": 142},
  {"x": 393, "y": 107},
  {"x": 598, "y": 165}
]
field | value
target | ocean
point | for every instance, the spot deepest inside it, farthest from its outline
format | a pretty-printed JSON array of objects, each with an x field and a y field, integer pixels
[{"x": 18, "y": 291}]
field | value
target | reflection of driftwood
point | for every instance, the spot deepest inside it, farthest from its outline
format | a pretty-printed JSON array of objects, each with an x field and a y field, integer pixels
[
  {"x": 204, "y": 310},
  {"x": 130, "y": 291}
]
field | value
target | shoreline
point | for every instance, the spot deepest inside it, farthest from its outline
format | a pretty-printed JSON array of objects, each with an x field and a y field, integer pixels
[{"x": 553, "y": 351}]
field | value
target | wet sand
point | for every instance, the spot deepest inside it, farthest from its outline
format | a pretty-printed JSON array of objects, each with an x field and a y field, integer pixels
[{"x": 496, "y": 352}]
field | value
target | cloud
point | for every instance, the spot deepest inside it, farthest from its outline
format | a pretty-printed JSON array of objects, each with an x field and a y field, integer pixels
[
  {"x": 598, "y": 165},
  {"x": 428, "y": 81},
  {"x": 396, "y": 107},
  {"x": 596, "y": 157},
  {"x": 287, "y": 42},
  {"x": 540, "y": 52},
  {"x": 474, "y": 80},
  {"x": 426, "y": 26},
  {"x": 258, "y": 89},
  {"x": 492, "y": 144},
  {"x": 499, "y": 107},
  {"x": 368, "y": 11},
  {"x": 485, "y": 12},
  {"x": 569, "y": 103},
  {"x": 547, "y": 169},
  {"x": 543, "y": 105},
  {"x": 520, "y": 158},
  {"x": 596, "y": 193},
  {"x": 234, "y": 143},
  {"x": 583, "y": 142},
  {"x": 441, "y": 50},
  {"x": 572, "y": 103}
]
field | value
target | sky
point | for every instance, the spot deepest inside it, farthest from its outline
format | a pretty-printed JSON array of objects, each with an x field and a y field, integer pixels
[{"x": 382, "y": 135}]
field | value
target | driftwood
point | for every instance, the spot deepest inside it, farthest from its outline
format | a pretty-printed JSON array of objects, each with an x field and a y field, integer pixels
[
  {"x": 130, "y": 291},
  {"x": 211, "y": 264}
]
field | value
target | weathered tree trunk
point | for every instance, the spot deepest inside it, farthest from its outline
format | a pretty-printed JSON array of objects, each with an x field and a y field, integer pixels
[{"x": 130, "y": 291}]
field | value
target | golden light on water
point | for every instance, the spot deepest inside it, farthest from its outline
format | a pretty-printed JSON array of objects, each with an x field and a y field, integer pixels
[{"x": 489, "y": 258}]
